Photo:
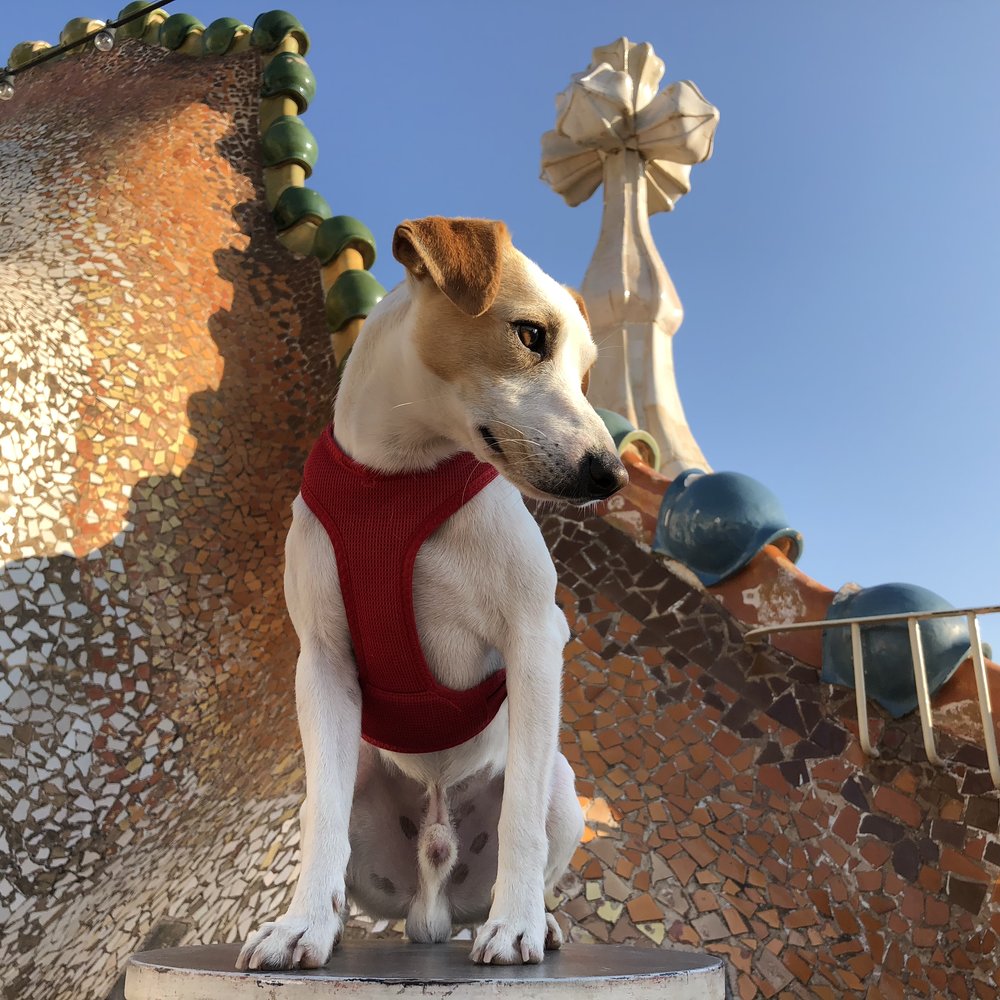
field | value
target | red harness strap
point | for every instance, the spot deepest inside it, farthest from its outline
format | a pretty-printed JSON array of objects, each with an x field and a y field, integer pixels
[{"x": 377, "y": 523}]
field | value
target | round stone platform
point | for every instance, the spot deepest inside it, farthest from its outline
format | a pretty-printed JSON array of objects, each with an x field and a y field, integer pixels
[{"x": 375, "y": 969}]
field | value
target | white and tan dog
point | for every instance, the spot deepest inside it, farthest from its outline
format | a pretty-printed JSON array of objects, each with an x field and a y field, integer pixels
[{"x": 477, "y": 351}]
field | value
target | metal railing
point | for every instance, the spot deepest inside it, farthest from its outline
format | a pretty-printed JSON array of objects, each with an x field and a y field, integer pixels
[{"x": 912, "y": 620}]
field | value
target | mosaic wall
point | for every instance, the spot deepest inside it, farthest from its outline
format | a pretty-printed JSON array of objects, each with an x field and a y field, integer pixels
[
  {"x": 160, "y": 393},
  {"x": 730, "y": 806},
  {"x": 165, "y": 369}
]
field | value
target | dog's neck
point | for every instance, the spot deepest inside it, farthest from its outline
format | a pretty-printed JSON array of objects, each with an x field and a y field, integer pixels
[{"x": 388, "y": 413}]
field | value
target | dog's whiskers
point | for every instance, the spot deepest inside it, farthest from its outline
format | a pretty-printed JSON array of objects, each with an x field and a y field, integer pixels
[
  {"x": 515, "y": 461},
  {"x": 526, "y": 427},
  {"x": 472, "y": 473},
  {"x": 599, "y": 344},
  {"x": 411, "y": 402}
]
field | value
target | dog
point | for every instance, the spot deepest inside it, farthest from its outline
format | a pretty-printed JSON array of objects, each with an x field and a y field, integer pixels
[{"x": 473, "y": 368}]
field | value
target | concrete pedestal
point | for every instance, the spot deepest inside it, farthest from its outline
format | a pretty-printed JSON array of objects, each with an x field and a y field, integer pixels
[{"x": 376, "y": 969}]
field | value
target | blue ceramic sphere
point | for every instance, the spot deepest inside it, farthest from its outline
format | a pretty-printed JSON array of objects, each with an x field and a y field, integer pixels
[
  {"x": 715, "y": 523},
  {"x": 886, "y": 648}
]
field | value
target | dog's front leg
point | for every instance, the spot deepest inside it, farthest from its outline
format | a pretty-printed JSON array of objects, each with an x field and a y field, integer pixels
[
  {"x": 329, "y": 710},
  {"x": 516, "y": 929}
]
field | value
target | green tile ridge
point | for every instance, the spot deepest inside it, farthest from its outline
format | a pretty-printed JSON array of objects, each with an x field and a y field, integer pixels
[
  {"x": 342, "y": 231},
  {"x": 289, "y": 75},
  {"x": 221, "y": 33},
  {"x": 139, "y": 27},
  {"x": 24, "y": 52},
  {"x": 176, "y": 28},
  {"x": 272, "y": 28},
  {"x": 297, "y": 204},
  {"x": 287, "y": 140},
  {"x": 353, "y": 294}
]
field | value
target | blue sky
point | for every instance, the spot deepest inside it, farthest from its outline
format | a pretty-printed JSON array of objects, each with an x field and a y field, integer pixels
[{"x": 837, "y": 259}]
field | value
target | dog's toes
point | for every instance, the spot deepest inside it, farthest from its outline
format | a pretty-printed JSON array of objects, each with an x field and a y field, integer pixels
[
  {"x": 509, "y": 942},
  {"x": 478, "y": 946},
  {"x": 290, "y": 943},
  {"x": 553, "y": 933},
  {"x": 248, "y": 949}
]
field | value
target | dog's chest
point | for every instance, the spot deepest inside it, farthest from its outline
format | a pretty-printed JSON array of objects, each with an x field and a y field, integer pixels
[{"x": 461, "y": 583}]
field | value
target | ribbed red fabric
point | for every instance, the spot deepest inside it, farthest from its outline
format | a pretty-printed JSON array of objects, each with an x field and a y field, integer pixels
[{"x": 376, "y": 524}]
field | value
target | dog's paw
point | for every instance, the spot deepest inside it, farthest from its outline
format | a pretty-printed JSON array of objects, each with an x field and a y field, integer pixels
[
  {"x": 553, "y": 934},
  {"x": 516, "y": 940},
  {"x": 291, "y": 943}
]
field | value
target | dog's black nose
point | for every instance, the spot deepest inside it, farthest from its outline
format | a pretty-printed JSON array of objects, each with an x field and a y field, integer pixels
[{"x": 601, "y": 475}]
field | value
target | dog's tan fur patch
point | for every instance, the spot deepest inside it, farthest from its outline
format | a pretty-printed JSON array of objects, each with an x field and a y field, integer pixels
[
  {"x": 455, "y": 342},
  {"x": 456, "y": 346}
]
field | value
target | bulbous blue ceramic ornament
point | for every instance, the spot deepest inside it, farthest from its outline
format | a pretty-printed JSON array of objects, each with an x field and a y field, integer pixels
[
  {"x": 886, "y": 648},
  {"x": 715, "y": 523}
]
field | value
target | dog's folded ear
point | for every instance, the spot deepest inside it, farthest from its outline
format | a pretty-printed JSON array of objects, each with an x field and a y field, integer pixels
[
  {"x": 463, "y": 257},
  {"x": 580, "y": 304}
]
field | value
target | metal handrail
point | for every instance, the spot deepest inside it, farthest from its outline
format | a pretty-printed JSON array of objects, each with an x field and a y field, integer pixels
[{"x": 912, "y": 619}]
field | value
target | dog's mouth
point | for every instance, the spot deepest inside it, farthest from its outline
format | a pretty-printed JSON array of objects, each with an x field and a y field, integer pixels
[
  {"x": 491, "y": 442},
  {"x": 561, "y": 490}
]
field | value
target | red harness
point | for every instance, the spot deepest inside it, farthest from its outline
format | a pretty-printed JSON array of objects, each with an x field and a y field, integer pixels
[{"x": 377, "y": 523}]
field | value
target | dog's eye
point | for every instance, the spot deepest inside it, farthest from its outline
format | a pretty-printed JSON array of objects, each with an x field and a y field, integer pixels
[{"x": 532, "y": 335}]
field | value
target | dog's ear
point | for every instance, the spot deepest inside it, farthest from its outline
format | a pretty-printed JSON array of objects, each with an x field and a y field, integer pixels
[
  {"x": 581, "y": 305},
  {"x": 463, "y": 257}
]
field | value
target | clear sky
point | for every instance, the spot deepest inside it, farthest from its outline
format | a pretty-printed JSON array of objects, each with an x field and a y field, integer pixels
[{"x": 838, "y": 258}]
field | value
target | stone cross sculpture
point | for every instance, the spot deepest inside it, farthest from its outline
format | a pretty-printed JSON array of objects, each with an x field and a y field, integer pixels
[{"x": 612, "y": 125}]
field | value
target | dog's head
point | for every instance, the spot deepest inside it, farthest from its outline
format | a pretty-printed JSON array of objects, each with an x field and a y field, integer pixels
[{"x": 513, "y": 349}]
